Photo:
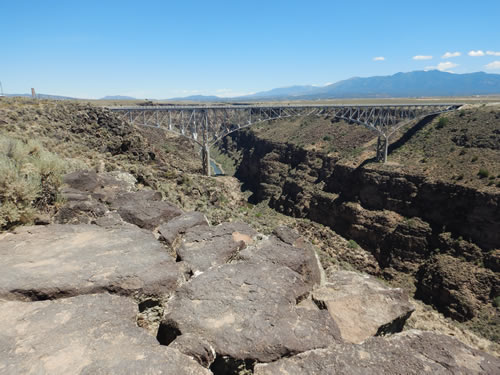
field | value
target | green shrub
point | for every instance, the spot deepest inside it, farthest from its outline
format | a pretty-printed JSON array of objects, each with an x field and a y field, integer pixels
[
  {"x": 496, "y": 301},
  {"x": 31, "y": 177},
  {"x": 327, "y": 138},
  {"x": 483, "y": 173},
  {"x": 352, "y": 244},
  {"x": 443, "y": 121}
]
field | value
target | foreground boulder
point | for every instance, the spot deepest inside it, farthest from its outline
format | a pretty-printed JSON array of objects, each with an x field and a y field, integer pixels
[
  {"x": 92, "y": 334},
  {"x": 302, "y": 260},
  {"x": 66, "y": 260},
  {"x": 145, "y": 208},
  {"x": 362, "y": 306},
  {"x": 172, "y": 231},
  {"x": 203, "y": 247},
  {"x": 247, "y": 311},
  {"x": 410, "y": 352}
]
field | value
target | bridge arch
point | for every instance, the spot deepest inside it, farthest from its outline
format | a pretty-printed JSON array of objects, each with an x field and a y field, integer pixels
[{"x": 207, "y": 125}]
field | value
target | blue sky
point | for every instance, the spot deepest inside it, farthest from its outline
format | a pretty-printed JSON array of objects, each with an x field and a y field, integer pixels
[{"x": 162, "y": 49}]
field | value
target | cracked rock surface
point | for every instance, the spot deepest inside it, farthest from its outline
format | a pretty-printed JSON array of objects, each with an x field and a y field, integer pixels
[
  {"x": 91, "y": 334},
  {"x": 362, "y": 306},
  {"x": 412, "y": 352},
  {"x": 248, "y": 311},
  {"x": 46, "y": 262}
]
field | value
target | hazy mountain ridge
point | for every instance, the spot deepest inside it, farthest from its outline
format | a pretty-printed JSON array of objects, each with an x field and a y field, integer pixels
[{"x": 411, "y": 84}]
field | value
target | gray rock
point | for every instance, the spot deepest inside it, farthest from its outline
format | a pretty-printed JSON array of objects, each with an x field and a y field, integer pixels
[
  {"x": 411, "y": 352},
  {"x": 362, "y": 306},
  {"x": 196, "y": 348},
  {"x": 302, "y": 259},
  {"x": 247, "y": 311},
  {"x": 145, "y": 208},
  {"x": 92, "y": 334},
  {"x": 80, "y": 211},
  {"x": 204, "y": 247},
  {"x": 101, "y": 186},
  {"x": 171, "y": 231},
  {"x": 67, "y": 260}
]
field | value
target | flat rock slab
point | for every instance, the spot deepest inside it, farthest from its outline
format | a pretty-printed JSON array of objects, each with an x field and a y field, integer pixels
[
  {"x": 92, "y": 334},
  {"x": 410, "y": 352},
  {"x": 362, "y": 306},
  {"x": 247, "y": 311},
  {"x": 144, "y": 209},
  {"x": 302, "y": 260},
  {"x": 204, "y": 247},
  {"x": 172, "y": 231},
  {"x": 66, "y": 260}
]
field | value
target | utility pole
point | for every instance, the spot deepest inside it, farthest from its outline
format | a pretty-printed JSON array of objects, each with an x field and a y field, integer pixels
[{"x": 1, "y": 89}]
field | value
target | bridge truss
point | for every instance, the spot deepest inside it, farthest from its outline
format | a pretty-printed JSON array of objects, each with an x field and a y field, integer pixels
[{"x": 206, "y": 125}]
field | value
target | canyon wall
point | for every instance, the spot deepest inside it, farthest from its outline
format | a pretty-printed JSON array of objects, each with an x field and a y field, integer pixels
[{"x": 444, "y": 235}]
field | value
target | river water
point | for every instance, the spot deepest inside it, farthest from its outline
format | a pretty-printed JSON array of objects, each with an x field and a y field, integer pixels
[{"x": 216, "y": 170}]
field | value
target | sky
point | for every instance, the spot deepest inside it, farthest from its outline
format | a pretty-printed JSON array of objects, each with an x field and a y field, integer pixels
[{"x": 164, "y": 49}]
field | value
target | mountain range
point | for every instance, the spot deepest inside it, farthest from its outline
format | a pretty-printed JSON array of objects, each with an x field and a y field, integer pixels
[{"x": 412, "y": 84}]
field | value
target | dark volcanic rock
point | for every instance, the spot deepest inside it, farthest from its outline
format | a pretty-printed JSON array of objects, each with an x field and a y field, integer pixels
[
  {"x": 171, "y": 231},
  {"x": 455, "y": 287},
  {"x": 92, "y": 334},
  {"x": 196, "y": 348},
  {"x": 145, "y": 209},
  {"x": 247, "y": 311},
  {"x": 361, "y": 306},
  {"x": 204, "y": 247},
  {"x": 302, "y": 259},
  {"x": 65, "y": 260},
  {"x": 410, "y": 352}
]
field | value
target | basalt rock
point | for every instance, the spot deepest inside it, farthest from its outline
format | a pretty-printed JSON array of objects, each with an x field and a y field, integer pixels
[
  {"x": 67, "y": 260},
  {"x": 204, "y": 247},
  {"x": 456, "y": 286},
  {"x": 411, "y": 352},
  {"x": 92, "y": 334},
  {"x": 172, "y": 231},
  {"x": 247, "y": 311},
  {"x": 361, "y": 306}
]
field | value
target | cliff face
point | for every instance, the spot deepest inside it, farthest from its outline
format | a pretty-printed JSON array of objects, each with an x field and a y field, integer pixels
[{"x": 406, "y": 221}]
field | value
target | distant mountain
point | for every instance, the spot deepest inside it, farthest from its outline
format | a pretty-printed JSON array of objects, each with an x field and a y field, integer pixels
[
  {"x": 400, "y": 85},
  {"x": 412, "y": 84},
  {"x": 283, "y": 92},
  {"x": 118, "y": 97},
  {"x": 202, "y": 98}
]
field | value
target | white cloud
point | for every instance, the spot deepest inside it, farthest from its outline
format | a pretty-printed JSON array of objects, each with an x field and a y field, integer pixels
[
  {"x": 493, "y": 53},
  {"x": 379, "y": 58},
  {"x": 449, "y": 55},
  {"x": 476, "y": 53},
  {"x": 493, "y": 65},
  {"x": 444, "y": 66},
  {"x": 421, "y": 57}
]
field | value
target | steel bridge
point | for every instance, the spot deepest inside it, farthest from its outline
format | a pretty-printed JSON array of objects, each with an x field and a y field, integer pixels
[{"x": 206, "y": 125}]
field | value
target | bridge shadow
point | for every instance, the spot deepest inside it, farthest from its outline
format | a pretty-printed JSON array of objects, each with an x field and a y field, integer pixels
[
  {"x": 410, "y": 133},
  {"x": 403, "y": 139}
]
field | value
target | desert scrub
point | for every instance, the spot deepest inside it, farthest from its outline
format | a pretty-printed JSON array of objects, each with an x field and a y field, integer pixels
[{"x": 30, "y": 179}]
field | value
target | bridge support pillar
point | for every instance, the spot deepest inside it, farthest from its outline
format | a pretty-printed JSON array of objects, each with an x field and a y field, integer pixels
[
  {"x": 382, "y": 148},
  {"x": 205, "y": 159}
]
